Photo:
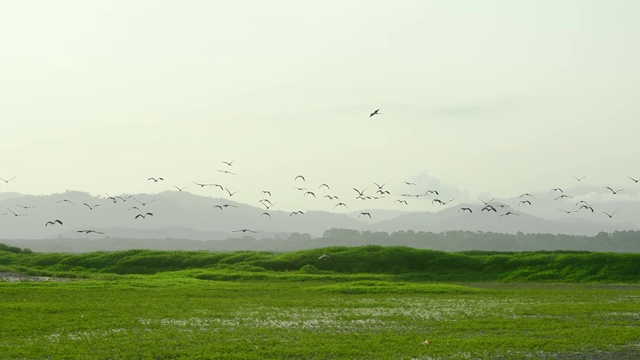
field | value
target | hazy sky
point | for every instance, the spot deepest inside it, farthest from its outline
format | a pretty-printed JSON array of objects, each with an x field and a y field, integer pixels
[{"x": 477, "y": 97}]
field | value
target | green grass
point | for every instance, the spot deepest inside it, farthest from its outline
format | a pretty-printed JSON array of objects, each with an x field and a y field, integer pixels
[
  {"x": 402, "y": 262},
  {"x": 164, "y": 317},
  {"x": 198, "y": 305}
]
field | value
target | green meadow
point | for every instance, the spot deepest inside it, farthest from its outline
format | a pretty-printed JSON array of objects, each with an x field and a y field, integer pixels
[{"x": 365, "y": 302}]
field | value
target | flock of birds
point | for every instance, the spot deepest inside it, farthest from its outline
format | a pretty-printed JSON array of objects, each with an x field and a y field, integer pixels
[{"x": 379, "y": 191}]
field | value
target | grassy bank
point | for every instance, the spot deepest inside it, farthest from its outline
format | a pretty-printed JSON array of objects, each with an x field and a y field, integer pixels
[{"x": 401, "y": 263}]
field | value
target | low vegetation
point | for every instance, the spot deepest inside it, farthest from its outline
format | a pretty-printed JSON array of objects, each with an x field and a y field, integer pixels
[
  {"x": 400, "y": 262},
  {"x": 453, "y": 241},
  {"x": 367, "y": 302}
]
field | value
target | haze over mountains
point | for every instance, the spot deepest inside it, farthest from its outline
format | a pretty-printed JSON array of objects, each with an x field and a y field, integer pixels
[{"x": 184, "y": 215}]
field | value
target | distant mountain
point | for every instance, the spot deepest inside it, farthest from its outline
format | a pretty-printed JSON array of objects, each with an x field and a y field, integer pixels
[
  {"x": 174, "y": 214},
  {"x": 453, "y": 218},
  {"x": 183, "y": 215},
  {"x": 9, "y": 195}
]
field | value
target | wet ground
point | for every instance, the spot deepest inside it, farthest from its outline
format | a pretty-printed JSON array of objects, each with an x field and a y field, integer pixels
[{"x": 15, "y": 277}]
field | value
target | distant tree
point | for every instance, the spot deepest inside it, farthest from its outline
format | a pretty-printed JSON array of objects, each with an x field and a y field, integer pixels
[{"x": 299, "y": 237}]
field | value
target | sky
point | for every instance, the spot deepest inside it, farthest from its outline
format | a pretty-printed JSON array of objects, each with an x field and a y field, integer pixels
[{"x": 491, "y": 98}]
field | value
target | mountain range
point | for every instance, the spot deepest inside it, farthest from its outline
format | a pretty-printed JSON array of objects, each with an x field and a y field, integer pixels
[{"x": 184, "y": 215}]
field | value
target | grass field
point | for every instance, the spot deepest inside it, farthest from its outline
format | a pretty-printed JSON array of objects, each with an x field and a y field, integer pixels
[{"x": 242, "y": 311}]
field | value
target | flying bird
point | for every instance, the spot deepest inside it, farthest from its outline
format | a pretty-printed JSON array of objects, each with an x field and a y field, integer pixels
[
  {"x": 409, "y": 183},
  {"x": 431, "y": 192},
  {"x": 268, "y": 206},
  {"x": 14, "y": 214},
  {"x": 134, "y": 207},
  {"x": 526, "y": 194},
  {"x": 231, "y": 193},
  {"x": 509, "y": 213},
  {"x": 614, "y": 191},
  {"x": 144, "y": 216},
  {"x": 365, "y": 214},
  {"x": 376, "y": 112},
  {"x": 401, "y": 201},
  {"x": 267, "y": 214},
  {"x": 125, "y": 198},
  {"x": 379, "y": 186},
  {"x": 155, "y": 179},
  {"x": 486, "y": 202},
  {"x": 610, "y": 215},
  {"x": 331, "y": 197},
  {"x": 563, "y": 196},
  {"x": 324, "y": 185},
  {"x": 299, "y": 212},
  {"x": 340, "y": 204},
  {"x": 466, "y": 209},
  {"x": 144, "y": 203},
  {"x": 229, "y": 163},
  {"x": 568, "y": 211},
  {"x": 224, "y": 205},
  {"x": 7, "y": 181},
  {"x": 299, "y": 177},
  {"x": 227, "y": 172},
  {"x": 90, "y": 231},
  {"x": 218, "y": 186},
  {"x": 89, "y": 206},
  {"x": 65, "y": 200},
  {"x": 579, "y": 178},
  {"x": 179, "y": 188},
  {"x": 632, "y": 179},
  {"x": 267, "y": 192},
  {"x": 265, "y": 201},
  {"x": 525, "y": 202},
  {"x": 360, "y": 193},
  {"x": 25, "y": 207},
  {"x": 309, "y": 193},
  {"x": 588, "y": 207},
  {"x": 489, "y": 207},
  {"x": 245, "y": 231},
  {"x": 555, "y": 189},
  {"x": 53, "y": 222}
]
